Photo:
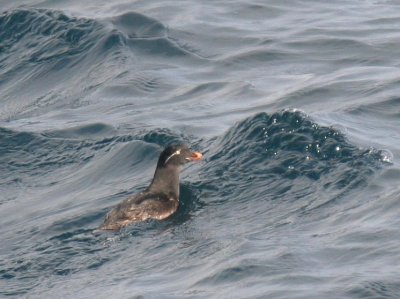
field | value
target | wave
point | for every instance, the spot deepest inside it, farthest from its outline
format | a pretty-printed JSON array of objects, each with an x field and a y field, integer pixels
[
  {"x": 282, "y": 162},
  {"x": 42, "y": 35},
  {"x": 286, "y": 156},
  {"x": 386, "y": 109},
  {"x": 51, "y": 60},
  {"x": 47, "y": 34},
  {"x": 55, "y": 155},
  {"x": 281, "y": 151}
]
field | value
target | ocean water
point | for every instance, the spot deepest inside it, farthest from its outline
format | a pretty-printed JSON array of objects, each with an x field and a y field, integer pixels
[{"x": 295, "y": 105}]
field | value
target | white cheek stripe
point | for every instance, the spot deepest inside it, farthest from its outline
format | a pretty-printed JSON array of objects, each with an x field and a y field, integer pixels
[{"x": 178, "y": 152}]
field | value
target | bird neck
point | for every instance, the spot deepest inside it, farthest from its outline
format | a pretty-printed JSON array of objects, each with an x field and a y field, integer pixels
[{"x": 166, "y": 179}]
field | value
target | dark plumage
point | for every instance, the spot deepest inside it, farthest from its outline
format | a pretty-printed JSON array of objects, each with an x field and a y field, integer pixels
[{"x": 161, "y": 198}]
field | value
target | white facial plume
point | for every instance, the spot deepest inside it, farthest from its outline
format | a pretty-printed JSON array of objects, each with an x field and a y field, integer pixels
[{"x": 178, "y": 152}]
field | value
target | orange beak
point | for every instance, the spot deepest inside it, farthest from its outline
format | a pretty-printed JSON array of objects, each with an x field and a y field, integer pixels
[{"x": 195, "y": 156}]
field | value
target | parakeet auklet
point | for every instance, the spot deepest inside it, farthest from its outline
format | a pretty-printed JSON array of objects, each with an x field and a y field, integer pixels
[{"x": 161, "y": 198}]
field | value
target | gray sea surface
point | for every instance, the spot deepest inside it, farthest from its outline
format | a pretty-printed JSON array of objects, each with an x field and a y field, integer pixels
[{"x": 294, "y": 104}]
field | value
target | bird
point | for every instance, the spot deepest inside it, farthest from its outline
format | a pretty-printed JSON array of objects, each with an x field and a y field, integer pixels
[{"x": 161, "y": 198}]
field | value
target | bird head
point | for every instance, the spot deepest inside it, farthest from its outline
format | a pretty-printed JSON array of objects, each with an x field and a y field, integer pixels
[{"x": 177, "y": 154}]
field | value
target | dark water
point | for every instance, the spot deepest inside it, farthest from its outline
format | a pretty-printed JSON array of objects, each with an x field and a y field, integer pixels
[{"x": 295, "y": 105}]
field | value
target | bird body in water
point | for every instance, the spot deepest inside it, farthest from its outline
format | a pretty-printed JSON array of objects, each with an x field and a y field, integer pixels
[{"x": 161, "y": 198}]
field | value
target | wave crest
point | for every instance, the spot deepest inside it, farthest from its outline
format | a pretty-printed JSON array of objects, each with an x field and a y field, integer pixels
[{"x": 276, "y": 153}]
